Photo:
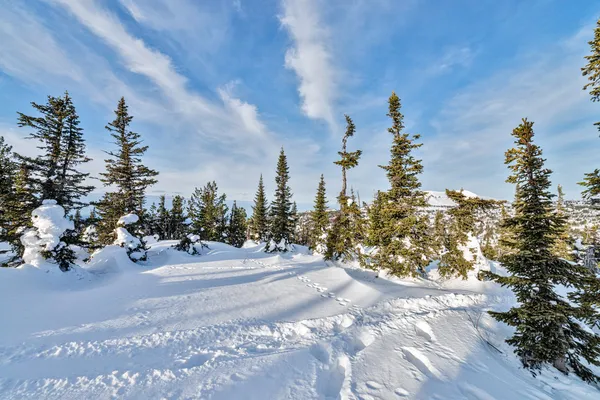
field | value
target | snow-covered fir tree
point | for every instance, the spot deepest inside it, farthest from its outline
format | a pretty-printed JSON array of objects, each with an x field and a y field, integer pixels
[
  {"x": 548, "y": 326},
  {"x": 208, "y": 212},
  {"x": 126, "y": 173},
  {"x": 236, "y": 232},
  {"x": 259, "y": 225},
  {"x": 280, "y": 221},
  {"x": 53, "y": 174},
  {"x": 404, "y": 246},
  {"x": 319, "y": 219}
]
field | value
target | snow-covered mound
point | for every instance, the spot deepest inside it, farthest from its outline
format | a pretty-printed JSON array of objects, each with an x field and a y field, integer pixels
[{"x": 245, "y": 324}]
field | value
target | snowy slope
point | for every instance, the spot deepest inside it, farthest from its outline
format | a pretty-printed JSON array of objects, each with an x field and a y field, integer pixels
[{"x": 242, "y": 324}]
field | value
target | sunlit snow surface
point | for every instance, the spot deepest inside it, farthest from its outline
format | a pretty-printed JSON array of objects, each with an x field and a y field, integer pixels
[{"x": 242, "y": 324}]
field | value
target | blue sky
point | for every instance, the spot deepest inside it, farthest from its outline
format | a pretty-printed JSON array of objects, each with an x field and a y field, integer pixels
[{"x": 217, "y": 87}]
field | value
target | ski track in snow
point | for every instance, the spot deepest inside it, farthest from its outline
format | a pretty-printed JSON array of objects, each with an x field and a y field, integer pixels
[{"x": 170, "y": 356}]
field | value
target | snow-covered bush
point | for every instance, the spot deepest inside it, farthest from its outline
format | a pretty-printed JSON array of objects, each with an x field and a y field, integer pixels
[
  {"x": 90, "y": 235},
  {"x": 136, "y": 248},
  {"x": 189, "y": 244},
  {"x": 282, "y": 246},
  {"x": 44, "y": 248}
]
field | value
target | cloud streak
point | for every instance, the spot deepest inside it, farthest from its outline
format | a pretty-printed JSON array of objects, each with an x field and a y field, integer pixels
[{"x": 310, "y": 58}]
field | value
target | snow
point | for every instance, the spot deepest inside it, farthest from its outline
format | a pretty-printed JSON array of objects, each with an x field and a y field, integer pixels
[
  {"x": 245, "y": 324},
  {"x": 49, "y": 224},
  {"x": 128, "y": 219},
  {"x": 441, "y": 199}
]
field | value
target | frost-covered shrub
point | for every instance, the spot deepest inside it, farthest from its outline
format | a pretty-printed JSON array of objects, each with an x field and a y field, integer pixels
[
  {"x": 282, "y": 246},
  {"x": 43, "y": 245},
  {"x": 136, "y": 248},
  {"x": 189, "y": 244}
]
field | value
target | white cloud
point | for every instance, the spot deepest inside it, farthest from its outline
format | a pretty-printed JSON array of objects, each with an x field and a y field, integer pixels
[
  {"x": 473, "y": 129},
  {"x": 310, "y": 58}
]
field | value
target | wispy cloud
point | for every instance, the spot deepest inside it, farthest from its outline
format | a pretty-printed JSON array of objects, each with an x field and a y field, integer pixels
[
  {"x": 473, "y": 129},
  {"x": 310, "y": 58}
]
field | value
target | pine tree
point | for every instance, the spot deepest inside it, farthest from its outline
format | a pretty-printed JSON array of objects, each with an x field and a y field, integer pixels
[
  {"x": 548, "y": 328},
  {"x": 346, "y": 231},
  {"x": 208, "y": 212},
  {"x": 280, "y": 230},
  {"x": 405, "y": 248},
  {"x": 456, "y": 261},
  {"x": 237, "y": 226},
  {"x": 319, "y": 219},
  {"x": 53, "y": 174},
  {"x": 563, "y": 246},
  {"x": 591, "y": 181},
  {"x": 124, "y": 171},
  {"x": 259, "y": 224}
]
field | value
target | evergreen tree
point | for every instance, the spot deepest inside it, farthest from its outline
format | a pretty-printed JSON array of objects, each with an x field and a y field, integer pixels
[
  {"x": 488, "y": 245},
  {"x": 591, "y": 181},
  {"x": 294, "y": 218},
  {"x": 280, "y": 232},
  {"x": 78, "y": 222},
  {"x": 177, "y": 226},
  {"x": 405, "y": 248},
  {"x": 456, "y": 260},
  {"x": 563, "y": 246},
  {"x": 259, "y": 224},
  {"x": 208, "y": 212},
  {"x": 548, "y": 327},
  {"x": 17, "y": 212},
  {"x": 374, "y": 222},
  {"x": 439, "y": 234},
  {"x": 163, "y": 219},
  {"x": 237, "y": 226},
  {"x": 506, "y": 236},
  {"x": 319, "y": 219},
  {"x": 53, "y": 174},
  {"x": 8, "y": 170},
  {"x": 124, "y": 171},
  {"x": 346, "y": 231}
]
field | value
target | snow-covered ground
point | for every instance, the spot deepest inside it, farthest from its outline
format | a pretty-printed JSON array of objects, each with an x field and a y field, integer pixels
[{"x": 243, "y": 324}]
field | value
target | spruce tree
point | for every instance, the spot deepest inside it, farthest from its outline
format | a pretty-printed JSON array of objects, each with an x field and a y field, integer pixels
[
  {"x": 163, "y": 218},
  {"x": 458, "y": 259},
  {"x": 208, "y": 212},
  {"x": 439, "y": 234},
  {"x": 259, "y": 224},
  {"x": 237, "y": 226},
  {"x": 346, "y": 231},
  {"x": 319, "y": 219},
  {"x": 294, "y": 218},
  {"x": 280, "y": 229},
  {"x": 54, "y": 173},
  {"x": 548, "y": 327},
  {"x": 591, "y": 181},
  {"x": 563, "y": 246},
  {"x": 8, "y": 170},
  {"x": 405, "y": 247},
  {"x": 177, "y": 226},
  {"x": 17, "y": 214},
  {"x": 124, "y": 171},
  {"x": 374, "y": 223}
]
